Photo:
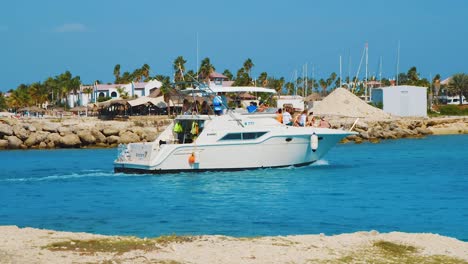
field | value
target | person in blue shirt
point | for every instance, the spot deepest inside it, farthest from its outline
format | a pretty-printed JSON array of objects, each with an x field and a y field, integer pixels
[
  {"x": 252, "y": 107},
  {"x": 218, "y": 105}
]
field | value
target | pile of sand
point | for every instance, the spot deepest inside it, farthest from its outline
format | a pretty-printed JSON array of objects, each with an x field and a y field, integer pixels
[{"x": 342, "y": 102}]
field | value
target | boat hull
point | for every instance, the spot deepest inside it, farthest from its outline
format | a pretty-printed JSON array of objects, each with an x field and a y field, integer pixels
[
  {"x": 273, "y": 152},
  {"x": 129, "y": 170}
]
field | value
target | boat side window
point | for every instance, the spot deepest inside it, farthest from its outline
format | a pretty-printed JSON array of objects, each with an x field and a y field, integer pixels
[
  {"x": 243, "y": 136},
  {"x": 232, "y": 136},
  {"x": 252, "y": 135}
]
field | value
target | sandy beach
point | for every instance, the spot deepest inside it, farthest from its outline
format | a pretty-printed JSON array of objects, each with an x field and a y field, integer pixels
[{"x": 30, "y": 245}]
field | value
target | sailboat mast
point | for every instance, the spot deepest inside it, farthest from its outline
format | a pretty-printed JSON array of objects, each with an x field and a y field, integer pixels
[
  {"x": 380, "y": 71},
  {"x": 295, "y": 88},
  {"x": 306, "y": 80},
  {"x": 340, "y": 72},
  {"x": 398, "y": 63},
  {"x": 367, "y": 63}
]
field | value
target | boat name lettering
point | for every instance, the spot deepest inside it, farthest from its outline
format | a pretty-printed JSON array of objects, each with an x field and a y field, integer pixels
[
  {"x": 249, "y": 123},
  {"x": 211, "y": 134},
  {"x": 141, "y": 155}
]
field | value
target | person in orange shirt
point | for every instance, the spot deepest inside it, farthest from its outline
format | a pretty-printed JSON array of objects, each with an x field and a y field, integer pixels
[{"x": 279, "y": 115}]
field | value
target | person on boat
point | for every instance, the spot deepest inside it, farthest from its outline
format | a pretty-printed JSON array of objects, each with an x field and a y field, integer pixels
[
  {"x": 217, "y": 105},
  {"x": 310, "y": 119},
  {"x": 263, "y": 106},
  {"x": 287, "y": 118},
  {"x": 204, "y": 108},
  {"x": 186, "y": 107},
  {"x": 303, "y": 119},
  {"x": 252, "y": 107},
  {"x": 279, "y": 115},
  {"x": 324, "y": 123}
]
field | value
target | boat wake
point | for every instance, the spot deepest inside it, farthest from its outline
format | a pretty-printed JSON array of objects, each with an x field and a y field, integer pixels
[
  {"x": 83, "y": 174},
  {"x": 320, "y": 163}
]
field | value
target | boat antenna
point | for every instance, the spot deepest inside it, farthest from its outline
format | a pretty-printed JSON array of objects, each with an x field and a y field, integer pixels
[{"x": 197, "y": 57}]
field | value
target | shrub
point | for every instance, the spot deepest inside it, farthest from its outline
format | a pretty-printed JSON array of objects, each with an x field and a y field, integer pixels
[{"x": 453, "y": 110}]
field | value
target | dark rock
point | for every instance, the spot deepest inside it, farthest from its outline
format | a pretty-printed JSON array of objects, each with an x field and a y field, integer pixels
[
  {"x": 5, "y": 130},
  {"x": 20, "y": 132},
  {"x": 100, "y": 138},
  {"x": 423, "y": 131},
  {"x": 109, "y": 131},
  {"x": 86, "y": 137},
  {"x": 14, "y": 142},
  {"x": 69, "y": 141},
  {"x": 36, "y": 138},
  {"x": 3, "y": 143},
  {"x": 112, "y": 139},
  {"x": 54, "y": 138},
  {"x": 128, "y": 137}
]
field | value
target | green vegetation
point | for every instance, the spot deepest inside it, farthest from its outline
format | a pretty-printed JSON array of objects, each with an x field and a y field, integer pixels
[
  {"x": 118, "y": 245},
  {"x": 452, "y": 110},
  {"x": 103, "y": 98},
  {"x": 386, "y": 252}
]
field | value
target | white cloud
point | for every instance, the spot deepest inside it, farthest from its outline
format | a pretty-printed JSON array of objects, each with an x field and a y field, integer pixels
[{"x": 72, "y": 27}]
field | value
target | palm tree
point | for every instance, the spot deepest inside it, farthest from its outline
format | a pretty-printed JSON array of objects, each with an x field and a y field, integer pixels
[
  {"x": 228, "y": 74},
  {"x": 206, "y": 68},
  {"x": 137, "y": 75},
  {"x": 248, "y": 65},
  {"x": 263, "y": 79},
  {"x": 166, "y": 90},
  {"x": 88, "y": 91},
  {"x": 324, "y": 85},
  {"x": 117, "y": 73},
  {"x": 290, "y": 88},
  {"x": 436, "y": 84},
  {"x": 145, "y": 71},
  {"x": 412, "y": 76},
  {"x": 331, "y": 79},
  {"x": 122, "y": 93},
  {"x": 458, "y": 84},
  {"x": 179, "y": 69}
]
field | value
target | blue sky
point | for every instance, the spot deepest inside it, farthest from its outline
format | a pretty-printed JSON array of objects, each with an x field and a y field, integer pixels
[{"x": 44, "y": 38}]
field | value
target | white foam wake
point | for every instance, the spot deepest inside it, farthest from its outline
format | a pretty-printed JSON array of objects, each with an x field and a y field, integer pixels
[{"x": 88, "y": 173}]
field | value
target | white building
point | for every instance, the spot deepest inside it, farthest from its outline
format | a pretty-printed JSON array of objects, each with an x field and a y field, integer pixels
[
  {"x": 90, "y": 93},
  {"x": 296, "y": 101},
  {"x": 402, "y": 100}
]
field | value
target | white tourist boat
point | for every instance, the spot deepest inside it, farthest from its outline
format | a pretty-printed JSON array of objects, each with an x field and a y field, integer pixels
[{"x": 233, "y": 141}]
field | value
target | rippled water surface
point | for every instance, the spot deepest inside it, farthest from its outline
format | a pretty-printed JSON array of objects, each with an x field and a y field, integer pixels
[{"x": 411, "y": 185}]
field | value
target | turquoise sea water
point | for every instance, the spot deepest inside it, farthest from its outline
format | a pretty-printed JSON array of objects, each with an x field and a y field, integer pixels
[{"x": 410, "y": 185}]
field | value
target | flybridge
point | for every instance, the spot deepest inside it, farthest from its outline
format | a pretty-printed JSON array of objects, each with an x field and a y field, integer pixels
[{"x": 231, "y": 89}]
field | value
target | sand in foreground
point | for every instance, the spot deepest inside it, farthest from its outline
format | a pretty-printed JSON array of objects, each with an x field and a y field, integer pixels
[{"x": 29, "y": 245}]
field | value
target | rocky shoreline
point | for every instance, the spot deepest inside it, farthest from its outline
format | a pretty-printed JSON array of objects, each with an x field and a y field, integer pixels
[
  {"x": 374, "y": 130},
  {"x": 36, "y": 133}
]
